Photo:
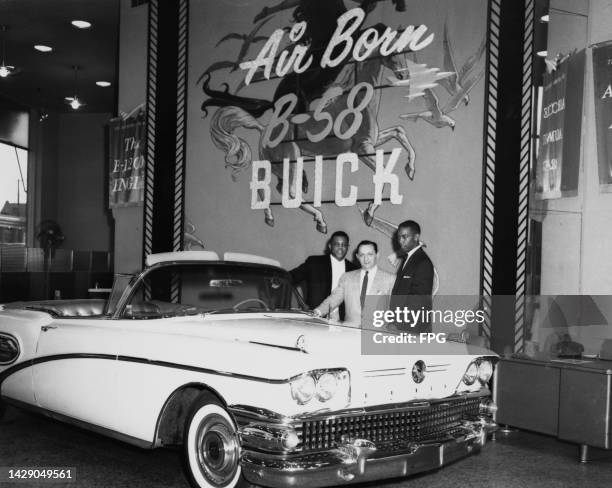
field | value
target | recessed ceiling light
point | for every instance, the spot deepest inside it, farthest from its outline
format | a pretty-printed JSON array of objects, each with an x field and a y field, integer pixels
[
  {"x": 542, "y": 54},
  {"x": 42, "y": 48},
  {"x": 103, "y": 83},
  {"x": 81, "y": 24},
  {"x": 75, "y": 103}
]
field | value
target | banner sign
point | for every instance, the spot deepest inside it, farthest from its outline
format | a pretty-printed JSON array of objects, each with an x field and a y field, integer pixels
[
  {"x": 127, "y": 161},
  {"x": 561, "y": 130},
  {"x": 602, "y": 77}
]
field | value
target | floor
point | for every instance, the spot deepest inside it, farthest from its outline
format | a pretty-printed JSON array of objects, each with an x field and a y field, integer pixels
[{"x": 517, "y": 460}]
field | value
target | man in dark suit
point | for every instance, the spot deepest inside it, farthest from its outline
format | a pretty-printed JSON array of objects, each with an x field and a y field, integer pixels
[
  {"x": 414, "y": 281},
  {"x": 321, "y": 274}
]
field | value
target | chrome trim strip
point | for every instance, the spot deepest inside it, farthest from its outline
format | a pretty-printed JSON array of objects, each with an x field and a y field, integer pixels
[
  {"x": 31, "y": 362},
  {"x": 261, "y": 414},
  {"x": 59, "y": 357},
  {"x": 142, "y": 443},
  {"x": 607, "y": 420},
  {"x": 380, "y": 370},
  {"x": 198, "y": 369},
  {"x": 248, "y": 413},
  {"x": 384, "y": 375},
  {"x": 288, "y": 348},
  {"x": 495, "y": 390}
]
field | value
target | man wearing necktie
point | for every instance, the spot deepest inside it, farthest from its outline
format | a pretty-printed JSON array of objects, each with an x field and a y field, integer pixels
[
  {"x": 414, "y": 280},
  {"x": 354, "y": 286}
]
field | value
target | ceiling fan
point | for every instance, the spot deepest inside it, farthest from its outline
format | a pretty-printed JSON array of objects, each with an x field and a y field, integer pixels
[
  {"x": 75, "y": 102},
  {"x": 5, "y": 69}
]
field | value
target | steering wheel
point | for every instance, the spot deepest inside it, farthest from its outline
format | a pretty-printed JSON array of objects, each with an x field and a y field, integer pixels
[{"x": 261, "y": 302}]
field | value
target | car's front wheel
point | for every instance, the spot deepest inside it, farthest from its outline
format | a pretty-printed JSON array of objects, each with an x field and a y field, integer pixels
[{"x": 212, "y": 446}]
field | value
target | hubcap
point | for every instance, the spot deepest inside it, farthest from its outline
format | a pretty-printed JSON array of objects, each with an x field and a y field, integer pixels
[{"x": 217, "y": 449}]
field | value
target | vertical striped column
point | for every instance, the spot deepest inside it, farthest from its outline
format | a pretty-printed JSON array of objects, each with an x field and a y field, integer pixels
[
  {"x": 488, "y": 194},
  {"x": 181, "y": 126},
  {"x": 524, "y": 172},
  {"x": 508, "y": 109},
  {"x": 151, "y": 117},
  {"x": 166, "y": 129},
  {"x": 178, "y": 224}
]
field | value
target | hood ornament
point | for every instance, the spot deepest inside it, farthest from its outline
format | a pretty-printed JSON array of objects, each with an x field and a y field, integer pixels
[{"x": 301, "y": 343}]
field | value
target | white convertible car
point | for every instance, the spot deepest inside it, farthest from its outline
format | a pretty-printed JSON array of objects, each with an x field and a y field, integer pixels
[{"x": 221, "y": 357}]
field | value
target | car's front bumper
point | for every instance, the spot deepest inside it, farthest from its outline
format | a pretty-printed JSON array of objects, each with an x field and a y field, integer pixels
[
  {"x": 353, "y": 447},
  {"x": 356, "y": 463}
]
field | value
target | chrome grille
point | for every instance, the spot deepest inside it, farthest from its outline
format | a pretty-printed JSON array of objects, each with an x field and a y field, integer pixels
[{"x": 430, "y": 423}]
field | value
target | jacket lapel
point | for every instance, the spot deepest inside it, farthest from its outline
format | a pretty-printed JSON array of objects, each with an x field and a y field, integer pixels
[{"x": 328, "y": 275}]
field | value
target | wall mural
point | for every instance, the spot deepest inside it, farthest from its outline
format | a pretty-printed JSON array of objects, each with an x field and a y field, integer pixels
[
  {"x": 330, "y": 65},
  {"x": 191, "y": 240}
]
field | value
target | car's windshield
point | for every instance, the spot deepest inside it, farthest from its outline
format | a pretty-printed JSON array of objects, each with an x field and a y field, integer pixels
[
  {"x": 185, "y": 289},
  {"x": 121, "y": 283}
]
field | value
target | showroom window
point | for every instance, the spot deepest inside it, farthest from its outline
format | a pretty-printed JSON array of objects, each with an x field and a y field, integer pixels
[{"x": 13, "y": 195}]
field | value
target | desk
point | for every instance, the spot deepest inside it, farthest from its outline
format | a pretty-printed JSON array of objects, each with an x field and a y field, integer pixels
[{"x": 569, "y": 399}]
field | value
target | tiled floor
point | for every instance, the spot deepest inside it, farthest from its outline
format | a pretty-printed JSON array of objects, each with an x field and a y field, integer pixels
[{"x": 517, "y": 460}]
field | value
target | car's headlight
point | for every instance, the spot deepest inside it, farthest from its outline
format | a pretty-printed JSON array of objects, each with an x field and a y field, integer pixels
[
  {"x": 327, "y": 384},
  {"x": 485, "y": 370},
  {"x": 471, "y": 374},
  {"x": 324, "y": 385},
  {"x": 303, "y": 388}
]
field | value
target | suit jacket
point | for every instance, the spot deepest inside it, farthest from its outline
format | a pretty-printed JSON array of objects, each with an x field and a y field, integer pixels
[
  {"x": 348, "y": 292},
  {"x": 316, "y": 273},
  {"x": 413, "y": 287}
]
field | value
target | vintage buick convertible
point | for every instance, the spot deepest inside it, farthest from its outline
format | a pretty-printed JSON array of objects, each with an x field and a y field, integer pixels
[{"x": 221, "y": 357}]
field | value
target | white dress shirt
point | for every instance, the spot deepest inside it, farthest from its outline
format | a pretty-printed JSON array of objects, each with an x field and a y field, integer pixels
[
  {"x": 338, "y": 269},
  {"x": 409, "y": 255}
]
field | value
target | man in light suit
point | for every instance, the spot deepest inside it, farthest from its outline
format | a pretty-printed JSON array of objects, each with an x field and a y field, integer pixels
[
  {"x": 354, "y": 286},
  {"x": 414, "y": 281}
]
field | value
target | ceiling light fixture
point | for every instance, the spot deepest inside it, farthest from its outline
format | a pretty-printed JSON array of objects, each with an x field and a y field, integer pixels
[
  {"x": 545, "y": 18},
  {"x": 542, "y": 54},
  {"x": 5, "y": 70},
  {"x": 42, "y": 48},
  {"x": 103, "y": 84},
  {"x": 74, "y": 102},
  {"x": 81, "y": 24}
]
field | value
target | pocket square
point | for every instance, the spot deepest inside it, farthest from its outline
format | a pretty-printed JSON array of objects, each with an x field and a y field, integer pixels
[{"x": 406, "y": 276}]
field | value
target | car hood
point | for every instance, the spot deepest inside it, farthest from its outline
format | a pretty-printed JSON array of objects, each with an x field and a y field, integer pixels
[{"x": 319, "y": 336}]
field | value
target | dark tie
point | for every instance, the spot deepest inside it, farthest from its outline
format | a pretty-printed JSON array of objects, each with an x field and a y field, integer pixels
[{"x": 364, "y": 288}]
